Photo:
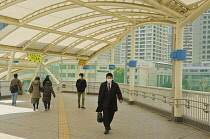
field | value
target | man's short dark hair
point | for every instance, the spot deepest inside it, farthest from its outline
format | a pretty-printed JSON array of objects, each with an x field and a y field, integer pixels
[
  {"x": 15, "y": 75},
  {"x": 47, "y": 76},
  {"x": 81, "y": 74},
  {"x": 109, "y": 74}
]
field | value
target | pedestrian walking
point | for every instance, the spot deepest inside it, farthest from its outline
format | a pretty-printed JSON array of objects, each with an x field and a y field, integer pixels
[
  {"x": 47, "y": 93},
  {"x": 35, "y": 89},
  {"x": 107, "y": 100},
  {"x": 15, "y": 88},
  {"x": 46, "y": 79},
  {"x": 81, "y": 85}
]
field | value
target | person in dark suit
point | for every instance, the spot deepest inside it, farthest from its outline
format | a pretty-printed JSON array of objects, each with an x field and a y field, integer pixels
[
  {"x": 107, "y": 100},
  {"x": 81, "y": 85}
]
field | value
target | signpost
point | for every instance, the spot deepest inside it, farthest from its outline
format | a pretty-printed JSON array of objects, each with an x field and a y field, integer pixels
[
  {"x": 82, "y": 62},
  {"x": 36, "y": 58}
]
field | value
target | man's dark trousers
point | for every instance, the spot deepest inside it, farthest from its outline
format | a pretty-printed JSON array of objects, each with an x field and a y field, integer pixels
[{"x": 108, "y": 114}]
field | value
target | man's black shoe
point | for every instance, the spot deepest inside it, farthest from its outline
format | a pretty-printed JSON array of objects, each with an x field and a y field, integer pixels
[
  {"x": 78, "y": 106},
  {"x": 106, "y": 132},
  {"x": 83, "y": 107}
]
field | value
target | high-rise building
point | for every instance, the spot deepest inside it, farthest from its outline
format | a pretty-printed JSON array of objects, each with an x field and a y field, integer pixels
[
  {"x": 151, "y": 44},
  {"x": 188, "y": 42},
  {"x": 201, "y": 38},
  {"x": 170, "y": 42}
]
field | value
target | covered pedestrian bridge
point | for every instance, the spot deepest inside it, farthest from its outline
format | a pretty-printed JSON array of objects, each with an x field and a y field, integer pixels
[{"x": 70, "y": 30}]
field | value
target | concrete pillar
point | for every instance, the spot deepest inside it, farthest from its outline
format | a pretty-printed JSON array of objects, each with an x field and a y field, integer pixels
[
  {"x": 132, "y": 69},
  {"x": 112, "y": 60},
  {"x": 177, "y": 77},
  {"x": 10, "y": 66},
  {"x": 78, "y": 72},
  {"x": 49, "y": 73},
  {"x": 86, "y": 75}
]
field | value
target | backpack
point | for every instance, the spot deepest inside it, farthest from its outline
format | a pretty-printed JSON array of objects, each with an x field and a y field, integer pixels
[{"x": 14, "y": 88}]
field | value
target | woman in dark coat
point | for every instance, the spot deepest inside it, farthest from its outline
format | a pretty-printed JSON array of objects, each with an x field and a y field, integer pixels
[{"x": 47, "y": 91}]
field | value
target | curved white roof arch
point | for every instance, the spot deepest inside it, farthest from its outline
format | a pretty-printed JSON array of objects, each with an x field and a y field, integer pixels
[{"x": 71, "y": 28}]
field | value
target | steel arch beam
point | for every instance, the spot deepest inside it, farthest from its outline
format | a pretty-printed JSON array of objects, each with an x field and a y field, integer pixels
[
  {"x": 13, "y": 21},
  {"x": 90, "y": 6},
  {"x": 60, "y": 61},
  {"x": 96, "y": 43},
  {"x": 60, "y": 39},
  {"x": 55, "y": 42},
  {"x": 131, "y": 6},
  {"x": 67, "y": 5},
  {"x": 59, "y": 25},
  {"x": 34, "y": 39},
  {"x": 47, "y": 10},
  {"x": 35, "y": 51},
  {"x": 17, "y": 71},
  {"x": 94, "y": 24},
  {"x": 163, "y": 8},
  {"x": 200, "y": 10},
  {"x": 80, "y": 41},
  {"x": 7, "y": 3}
]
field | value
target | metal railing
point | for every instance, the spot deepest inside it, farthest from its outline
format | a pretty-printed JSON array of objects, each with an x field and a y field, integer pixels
[{"x": 195, "y": 104}]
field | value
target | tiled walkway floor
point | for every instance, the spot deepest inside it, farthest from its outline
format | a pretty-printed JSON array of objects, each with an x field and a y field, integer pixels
[{"x": 130, "y": 122}]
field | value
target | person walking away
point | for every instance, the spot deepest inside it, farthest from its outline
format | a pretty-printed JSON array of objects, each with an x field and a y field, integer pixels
[
  {"x": 107, "y": 100},
  {"x": 46, "y": 79},
  {"x": 15, "y": 88},
  {"x": 81, "y": 85},
  {"x": 47, "y": 92},
  {"x": 35, "y": 89}
]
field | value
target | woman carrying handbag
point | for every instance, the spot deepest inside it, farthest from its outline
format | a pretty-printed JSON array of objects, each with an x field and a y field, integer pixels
[{"x": 35, "y": 89}]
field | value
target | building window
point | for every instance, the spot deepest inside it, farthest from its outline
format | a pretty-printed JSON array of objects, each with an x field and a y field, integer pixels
[
  {"x": 204, "y": 70},
  {"x": 71, "y": 66},
  {"x": 62, "y": 74},
  {"x": 204, "y": 47},
  {"x": 71, "y": 74},
  {"x": 103, "y": 67},
  {"x": 63, "y": 67}
]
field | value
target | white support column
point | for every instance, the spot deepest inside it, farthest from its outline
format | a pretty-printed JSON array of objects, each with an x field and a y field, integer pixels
[
  {"x": 112, "y": 60},
  {"x": 34, "y": 76},
  {"x": 177, "y": 77},
  {"x": 10, "y": 66},
  {"x": 49, "y": 73},
  {"x": 132, "y": 69},
  {"x": 86, "y": 75},
  {"x": 78, "y": 72}
]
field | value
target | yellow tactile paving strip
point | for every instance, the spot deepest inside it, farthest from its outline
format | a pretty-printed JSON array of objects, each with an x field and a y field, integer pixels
[{"x": 63, "y": 122}]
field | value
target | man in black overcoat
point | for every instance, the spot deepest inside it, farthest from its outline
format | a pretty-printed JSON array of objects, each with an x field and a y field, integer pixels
[{"x": 107, "y": 100}]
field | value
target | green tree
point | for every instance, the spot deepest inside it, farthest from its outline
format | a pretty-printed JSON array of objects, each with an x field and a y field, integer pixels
[{"x": 119, "y": 75}]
